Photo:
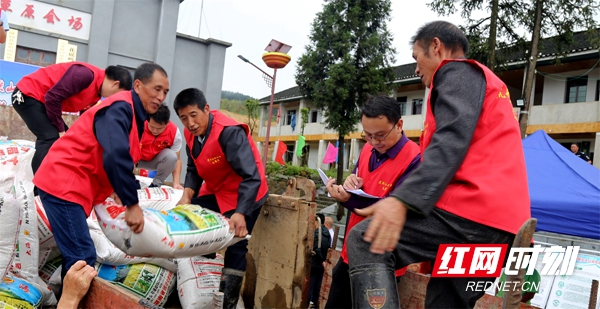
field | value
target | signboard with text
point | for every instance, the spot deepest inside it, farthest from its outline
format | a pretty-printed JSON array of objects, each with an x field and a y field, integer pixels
[
  {"x": 48, "y": 17},
  {"x": 574, "y": 291},
  {"x": 10, "y": 46},
  {"x": 10, "y": 74}
]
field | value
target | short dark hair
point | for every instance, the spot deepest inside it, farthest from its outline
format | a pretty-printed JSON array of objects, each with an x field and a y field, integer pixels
[
  {"x": 320, "y": 216},
  {"x": 382, "y": 105},
  {"x": 119, "y": 74},
  {"x": 189, "y": 97},
  {"x": 449, "y": 34},
  {"x": 162, "y": 115},
  {"x": 576, "y": 144},
  {"x": 145, "y": 71}
]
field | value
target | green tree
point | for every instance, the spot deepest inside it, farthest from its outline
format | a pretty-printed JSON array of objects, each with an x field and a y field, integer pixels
[
  {"x": 349, "y": 56},
  {"x": 551, "y": 18},
  {"x": 541, "y": 18},
  {"x": 252, "y": 110},
  {"x": 487, "y": 34}
]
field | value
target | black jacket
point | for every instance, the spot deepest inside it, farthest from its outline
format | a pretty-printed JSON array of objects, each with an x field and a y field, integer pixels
[{"x": 321, "y": 253}]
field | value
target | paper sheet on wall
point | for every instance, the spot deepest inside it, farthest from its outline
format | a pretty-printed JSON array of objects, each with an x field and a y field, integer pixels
[{"x": 358, "y": 192}]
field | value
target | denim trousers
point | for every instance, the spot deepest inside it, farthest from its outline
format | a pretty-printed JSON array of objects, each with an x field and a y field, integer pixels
[{"x": 70, "y": 229}]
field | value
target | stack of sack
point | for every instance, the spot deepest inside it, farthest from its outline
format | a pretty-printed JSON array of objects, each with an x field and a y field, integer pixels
[
  {"x": 167, "y": 254},
  {"x": 186, "y": 233},
  {"x": 20, "y": 284}
]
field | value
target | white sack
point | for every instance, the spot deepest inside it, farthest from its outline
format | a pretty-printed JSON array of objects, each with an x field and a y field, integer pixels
[
  {"x": 163, "y": 198},
  {"x": 107, "y": 253},
  {"x": 10, "y": 216},
  {"x": 25, "y": 261},
  {"x": 198, "y": 279},
  {"x": 184, "y": 231},
  {"x": 45, "y": 236}
]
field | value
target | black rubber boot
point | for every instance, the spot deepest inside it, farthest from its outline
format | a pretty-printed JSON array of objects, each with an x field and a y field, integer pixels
[
  {"x": 231, "y": 284},
  {"x": 374, "y": 286}
]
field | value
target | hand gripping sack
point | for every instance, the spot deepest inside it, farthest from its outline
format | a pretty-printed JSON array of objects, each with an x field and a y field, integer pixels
[
  {"x": 184, "y": 231},
  {"x": 107, "y": 253}
]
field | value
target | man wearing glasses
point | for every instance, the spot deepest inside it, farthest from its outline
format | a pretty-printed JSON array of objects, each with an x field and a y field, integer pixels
[{"x": 384, "y": 162}]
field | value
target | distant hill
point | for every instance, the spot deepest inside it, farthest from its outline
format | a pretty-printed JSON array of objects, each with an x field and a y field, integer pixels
[
  {"x": 234, "y": 96},
  {"x": 242, "y": 118}
]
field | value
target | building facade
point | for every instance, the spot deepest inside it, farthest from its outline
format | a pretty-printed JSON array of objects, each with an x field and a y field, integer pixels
[
  {"x": 565, "y": 104},
  {"x": 114, "y": 32}
]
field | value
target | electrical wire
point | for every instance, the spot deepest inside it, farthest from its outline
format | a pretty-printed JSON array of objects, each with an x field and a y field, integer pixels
[{"x": 562, "y": 77}]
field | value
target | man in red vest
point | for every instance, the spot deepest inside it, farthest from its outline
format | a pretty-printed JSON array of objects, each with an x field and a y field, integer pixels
[
  {"x": 384, "y": 163},
  {"x": 161, "y": 143},
  {"x": 471, "y": 187},
  {"x": 224, "y": 174},
  {"x": 95, "y": 160},
  {"x": 41, "y": 97}
]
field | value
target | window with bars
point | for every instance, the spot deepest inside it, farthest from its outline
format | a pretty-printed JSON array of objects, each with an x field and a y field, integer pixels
[
  {"x": 288, "y": 117},
  {"x": 576, "y": 89},
  {"x": 35, "y": 57},
  {"x": 402, "y": 102},
  {"x": 417, "y": 106}
]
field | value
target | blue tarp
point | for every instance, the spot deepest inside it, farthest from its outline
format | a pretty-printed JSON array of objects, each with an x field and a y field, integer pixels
[{"x": 564, "y": 189}]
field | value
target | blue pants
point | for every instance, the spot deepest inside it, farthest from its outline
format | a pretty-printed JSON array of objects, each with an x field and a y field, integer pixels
[
  {"x": 235, "y": 256},
  {"x": 70, "y": 229}
]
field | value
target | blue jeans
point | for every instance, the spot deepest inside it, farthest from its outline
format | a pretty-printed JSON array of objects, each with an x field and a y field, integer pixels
[{"x": 70, "y": 229}]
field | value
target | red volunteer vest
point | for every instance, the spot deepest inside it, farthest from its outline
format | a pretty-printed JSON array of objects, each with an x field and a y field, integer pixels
[
  {"x": 37, "y": 84},
  {"x": 219, "y": 178},
  {"x": 73, "y": 169},
  {"x": 490, "y": 187},
  {"x": 380, "y": 182},
  {"x": 151, "y": 145}
]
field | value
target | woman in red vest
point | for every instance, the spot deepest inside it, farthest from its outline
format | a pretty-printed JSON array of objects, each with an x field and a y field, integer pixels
[
  {"x": 384, "y": 162},
  {"x": 41, "y": 97},
  {"x": 224, "y": 174},
  {"x": 471, "y": 187}
]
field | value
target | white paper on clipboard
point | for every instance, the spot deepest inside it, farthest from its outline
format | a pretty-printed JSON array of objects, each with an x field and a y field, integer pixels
[{"x": 358, "y": 192}]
